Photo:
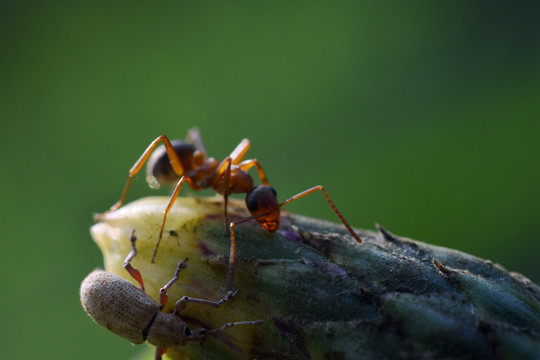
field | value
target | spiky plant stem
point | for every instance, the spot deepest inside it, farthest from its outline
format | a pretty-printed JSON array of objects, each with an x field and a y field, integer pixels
[{"x": 321, "y": 294}]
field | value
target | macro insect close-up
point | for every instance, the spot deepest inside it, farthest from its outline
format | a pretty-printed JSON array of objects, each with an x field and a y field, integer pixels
[
  {"x": 385, "y": 206},
  {"x": 288, "y": 284},
  {"x": 129, "y": 312},
  {"x": 181, "y": 161}
]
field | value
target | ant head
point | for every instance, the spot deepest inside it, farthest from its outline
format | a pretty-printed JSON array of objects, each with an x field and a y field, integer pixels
[
  {"x": 159, "y": 165},
  {"x": 262, "y": 200}
]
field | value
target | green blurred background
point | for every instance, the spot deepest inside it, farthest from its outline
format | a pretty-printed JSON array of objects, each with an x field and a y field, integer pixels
[{"x": 422, "y": 116}]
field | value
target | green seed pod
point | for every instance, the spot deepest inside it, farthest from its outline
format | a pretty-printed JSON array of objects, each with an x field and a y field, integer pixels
[{"x": 320, "y": 293}]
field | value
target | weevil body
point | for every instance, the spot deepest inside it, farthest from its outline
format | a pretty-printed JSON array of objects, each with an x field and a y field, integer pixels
[
  {"x": 122, "y": 308},
  {"x": 126, "y": 310}
]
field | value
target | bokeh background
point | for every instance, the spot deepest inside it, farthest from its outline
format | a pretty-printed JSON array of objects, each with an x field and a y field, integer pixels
[{"x": 422, "y": 116}]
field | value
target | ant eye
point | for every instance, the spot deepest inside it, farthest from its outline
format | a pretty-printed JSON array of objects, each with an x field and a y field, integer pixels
[
  {"x": 273, "y": 190},
  {"x": 187, "y": 332},
  {"x": 251, "y": 204}
]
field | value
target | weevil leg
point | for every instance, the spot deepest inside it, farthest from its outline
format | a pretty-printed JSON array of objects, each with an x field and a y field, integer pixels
[
  {"x": 159, "y": 353},
  {"x": 320, "y": 187},
  {"x": 231, "y": 324},
  {"x": 175, "y": 163},
  {"x": 163, "y": 296},
  {"x": 182, "y": 303},
  {"x": 127, "y": 263},
  {"x": 203, "y": 350}
]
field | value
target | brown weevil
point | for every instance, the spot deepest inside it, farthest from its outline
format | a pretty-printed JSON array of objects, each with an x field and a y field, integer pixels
[{"x": 129, "y": 312}]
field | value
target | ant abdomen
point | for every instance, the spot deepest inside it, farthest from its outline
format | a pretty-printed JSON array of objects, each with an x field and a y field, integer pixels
[{"x": 159, "y": 165}]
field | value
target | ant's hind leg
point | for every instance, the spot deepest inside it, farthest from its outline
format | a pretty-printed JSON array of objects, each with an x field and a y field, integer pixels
[{"x": 173, "y": 157}]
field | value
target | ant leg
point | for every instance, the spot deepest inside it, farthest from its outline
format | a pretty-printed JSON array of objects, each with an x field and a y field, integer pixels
[
  {"x": 320, "y": 187},
  {"x": 226, "y": 195},
  {"x": 248, "y": 164},
  {"x": 182, "y": 303},
  {"x": 205, "y": 355},
  {"x": 194, "y": 137},
  {"x": 232, "y": 251},
  {"x": 224, "y": 170},
  {"x": 240, "y": 151},
  {"x": 192, "y": 185},
  {"x": 127, "y": 263},
  {"x": 175, "y": 162},
  {"x": 163, "y": 296},
  {"x": 232, "y": 259}
]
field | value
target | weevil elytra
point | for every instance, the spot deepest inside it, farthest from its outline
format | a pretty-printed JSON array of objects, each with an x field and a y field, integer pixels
[
  {"x": 179, "y": 161},
  {"x": 129, "y": 312}
]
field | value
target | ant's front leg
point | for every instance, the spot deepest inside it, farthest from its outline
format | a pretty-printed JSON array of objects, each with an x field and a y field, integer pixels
[
  {"x": 330, "y": 202},
  {"x": 232, "y": 250}
]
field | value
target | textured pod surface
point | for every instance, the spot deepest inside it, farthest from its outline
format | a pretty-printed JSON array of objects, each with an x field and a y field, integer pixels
[
  {"x": 322, "y": 295},
  {"x": 117, "y": 305}
]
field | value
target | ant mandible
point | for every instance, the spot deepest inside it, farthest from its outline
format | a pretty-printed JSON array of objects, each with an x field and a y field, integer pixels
[{"x": 180, "y": 161}]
